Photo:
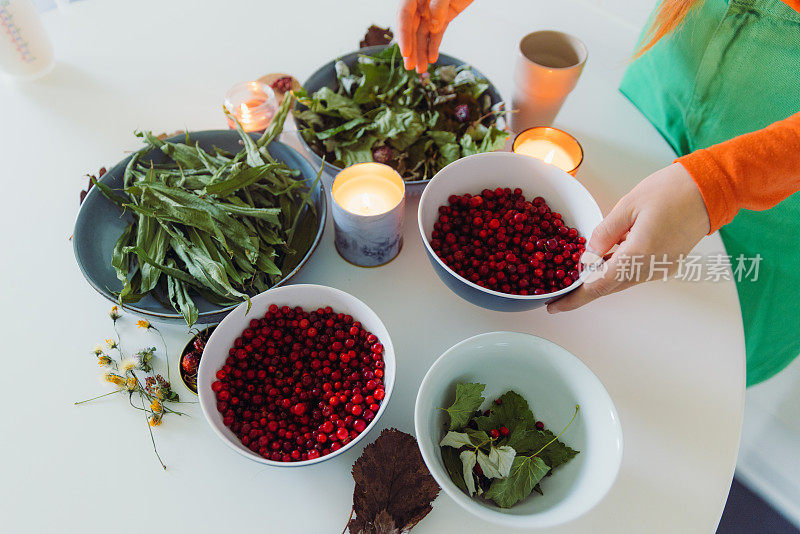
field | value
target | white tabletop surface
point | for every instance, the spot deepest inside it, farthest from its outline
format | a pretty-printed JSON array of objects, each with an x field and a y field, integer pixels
[{"x": 670, "y": 354}]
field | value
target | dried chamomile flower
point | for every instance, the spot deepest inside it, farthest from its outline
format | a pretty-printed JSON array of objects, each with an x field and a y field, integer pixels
[
  {"x": 128, "y": 364},
  {"x": 131, "y": 383},
  {"x": 133, "y": 375},
  {"x": 115, "y": 379}
]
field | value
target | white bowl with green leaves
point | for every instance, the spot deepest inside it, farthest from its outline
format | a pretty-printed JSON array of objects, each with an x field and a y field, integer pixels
[{"x": 552, "y": 383}]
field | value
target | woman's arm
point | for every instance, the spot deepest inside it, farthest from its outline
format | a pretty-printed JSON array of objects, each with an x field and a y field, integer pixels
[
  {"x": 666, "y": 214},
  {"x": 753, "y": 171}
]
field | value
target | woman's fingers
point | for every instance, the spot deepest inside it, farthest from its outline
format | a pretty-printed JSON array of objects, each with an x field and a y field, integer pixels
[
  {"x": 603, "y": 278},
  {"x": 444, "y": 11},
  {"x": 440, "y": 11},
  {"x": 421, "y": 26},
  {"x": 607, "y": 278},
  {"x": 408, "y": 22},
  {"x": 433, "y": 45},
  {"x": 611, "y": 230},
  {"x": 423, "y": 36}
]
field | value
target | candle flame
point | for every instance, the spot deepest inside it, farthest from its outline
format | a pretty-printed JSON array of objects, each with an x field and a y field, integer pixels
[
  {"x": 245, "y": 112},
  {"x": 366, "y": 202},
  {"x": 550, "y": 155}
]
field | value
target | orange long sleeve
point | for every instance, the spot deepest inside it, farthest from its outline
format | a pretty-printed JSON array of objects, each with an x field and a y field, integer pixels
[{"x": 753, "y": 171}]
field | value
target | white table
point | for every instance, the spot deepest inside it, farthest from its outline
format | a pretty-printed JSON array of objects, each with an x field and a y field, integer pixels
[{"x": 671, "y": 354}]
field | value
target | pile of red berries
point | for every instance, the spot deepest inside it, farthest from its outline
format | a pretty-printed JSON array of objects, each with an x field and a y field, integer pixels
[
  {"x": 500, "y": 241},
  {"x": 298, "y": 385}
]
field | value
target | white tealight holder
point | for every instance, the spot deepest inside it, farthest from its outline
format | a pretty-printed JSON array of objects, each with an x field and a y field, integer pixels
[{"x": 368, "y": 213}]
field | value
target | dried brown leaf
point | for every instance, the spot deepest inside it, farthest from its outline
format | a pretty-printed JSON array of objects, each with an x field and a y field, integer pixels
[
  {"x": 165, "y": 135},
  {"x": 391, "y": 479},
  {"x": 384, "y": 524},
  {"x": 377, "y": 36},
  {"x": 85, "y": 192}
]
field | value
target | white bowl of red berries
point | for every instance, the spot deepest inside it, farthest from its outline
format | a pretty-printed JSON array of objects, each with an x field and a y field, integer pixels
[
  {"x": 506, "y": 231},
  {"x": 298, "y": 376}
]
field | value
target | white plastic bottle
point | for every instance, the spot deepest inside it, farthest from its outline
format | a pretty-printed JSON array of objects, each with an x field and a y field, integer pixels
[{"x": 25, "y": 49}]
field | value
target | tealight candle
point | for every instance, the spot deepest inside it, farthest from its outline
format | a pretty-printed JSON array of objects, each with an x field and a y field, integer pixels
[
  {"x": 368, "y": 213},
  {"x": 552, "y": 146},
  {"x": 253, "y": 104}
]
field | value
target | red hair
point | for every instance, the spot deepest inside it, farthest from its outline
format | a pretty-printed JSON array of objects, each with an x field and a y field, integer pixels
[{"x": 669, "y": 16}]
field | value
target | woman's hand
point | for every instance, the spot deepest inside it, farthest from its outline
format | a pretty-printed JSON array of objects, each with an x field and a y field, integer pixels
[
  {"x": 422, "y": 24},
  {"x": 662, "y": 218}
]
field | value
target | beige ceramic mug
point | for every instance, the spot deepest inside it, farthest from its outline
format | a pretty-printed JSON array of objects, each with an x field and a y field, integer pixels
[{"x": 548, "y": 67}]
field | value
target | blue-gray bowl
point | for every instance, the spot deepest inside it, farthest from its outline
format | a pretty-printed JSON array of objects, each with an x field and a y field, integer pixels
[
  {"x": 100, "y": 223},
  {"x": 491, "y": 170},
  {"x": 325, "y": 76}
]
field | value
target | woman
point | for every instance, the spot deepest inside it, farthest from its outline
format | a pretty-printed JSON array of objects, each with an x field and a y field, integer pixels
[{"x": 720, "y": 79}]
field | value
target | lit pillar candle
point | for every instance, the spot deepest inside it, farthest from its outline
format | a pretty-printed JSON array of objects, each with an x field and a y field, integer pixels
[
  {"x": 552, "y": 146},
  {"x": 368, "y": 213},
  {"x": 253, "y": 104}
]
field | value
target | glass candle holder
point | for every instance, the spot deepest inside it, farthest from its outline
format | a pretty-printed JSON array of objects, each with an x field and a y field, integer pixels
[
  {"x": 548, "y": 66},
  {"x": 253, "y": 104},
  {"x": 552, "y": 146},
  {"x": 368, "y": 213}
]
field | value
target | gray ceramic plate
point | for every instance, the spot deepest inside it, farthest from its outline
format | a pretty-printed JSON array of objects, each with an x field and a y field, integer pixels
[
  {"x": 326, "y": 76},
  {"x": 100, "y": 224}
]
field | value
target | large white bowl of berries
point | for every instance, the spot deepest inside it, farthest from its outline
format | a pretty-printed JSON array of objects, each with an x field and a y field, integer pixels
[
  {"x": 299, "y": 378},
  {"x": 506, "y": 231}
]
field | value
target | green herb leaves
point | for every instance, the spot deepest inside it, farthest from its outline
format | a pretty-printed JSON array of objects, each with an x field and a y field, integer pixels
[
  {"x": 468, "y": 459},
  {"x": 499, "y": 454},
  {"x": 511, "y": 411},
  {"x": 468, "y": 400},
  {"x": 379, "y": 111},
  {"x": 210, "y": 224},
  {"x": 453, "y": 465},
  {"x": 497, "y": 463},
  {"x": 525, "y": 473},
  {"x": 528, "y": 439}
]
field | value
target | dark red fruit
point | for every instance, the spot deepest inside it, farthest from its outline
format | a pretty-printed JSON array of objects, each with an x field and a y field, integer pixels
[
  {"x": 190, "y": 362},
  {"x": 383, "y": 154},
  {"x": 462, "y": 113},
  {"x": 283, "y": 84},
  {"x": 500, "y": 241}
]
